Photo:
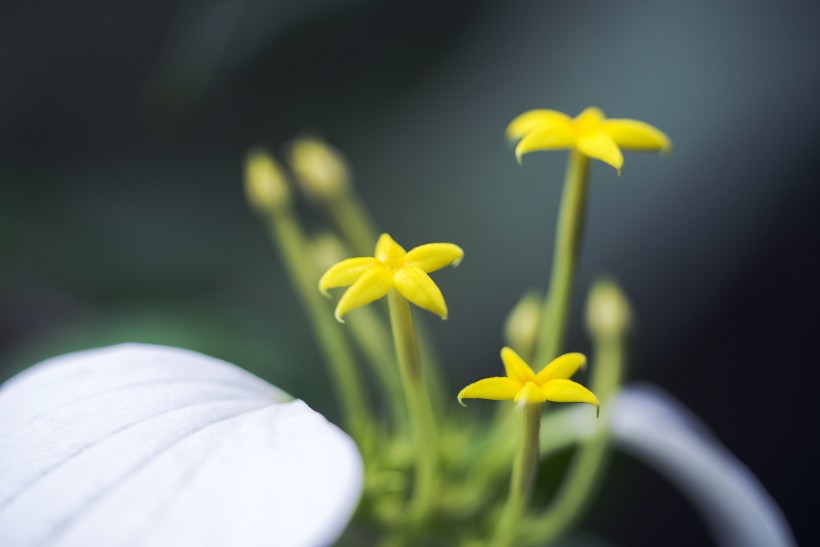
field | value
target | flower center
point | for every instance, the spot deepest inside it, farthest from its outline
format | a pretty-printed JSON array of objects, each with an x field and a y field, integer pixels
[{"x": 395, "y": 263}]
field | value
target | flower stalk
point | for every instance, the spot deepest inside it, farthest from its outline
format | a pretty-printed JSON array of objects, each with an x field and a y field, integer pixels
[
  {"x": 608, "y": 321},
  {"x": 285, "y": 230},
  {"x": 420, "y": 411},
  {"x": 524, "y": 472},
  {"x": 267, "y": 191},
  {"x": 556, "y": 308}
]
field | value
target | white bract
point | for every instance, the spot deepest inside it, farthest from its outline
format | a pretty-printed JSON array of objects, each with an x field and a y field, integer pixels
[
  {"x": 653, "y": 427},
  {"x": 146, "y": 445},
  {"x": 650, "y": 425}
]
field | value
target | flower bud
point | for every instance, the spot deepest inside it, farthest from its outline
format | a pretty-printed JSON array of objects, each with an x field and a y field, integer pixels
[
  {"x": 608, "y": 312},
  {"x": 327, "y": 249},
  {"x": 521, "y": 325},
  {"x": 320, "y": 169},
  {"x": 265, "y": 185}
]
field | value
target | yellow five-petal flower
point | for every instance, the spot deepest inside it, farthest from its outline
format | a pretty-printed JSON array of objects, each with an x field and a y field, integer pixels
[
  {"x": 590, "y": 132},
  {"x": 522, "y": 384},
  {"x": 371, "y": 278}
]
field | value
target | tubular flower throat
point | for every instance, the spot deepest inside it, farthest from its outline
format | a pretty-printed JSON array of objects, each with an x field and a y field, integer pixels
[
  {"x": 590, "y": 132},
  {"x": 523, "y": 385},
  {"x": 371, "y": 278}
]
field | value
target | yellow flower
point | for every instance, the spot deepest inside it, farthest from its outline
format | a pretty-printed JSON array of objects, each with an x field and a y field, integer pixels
[
  {"x": 371, "y": 278},
  {"x": 589, "y": 132},
  {"x": 523, "y": 385}
]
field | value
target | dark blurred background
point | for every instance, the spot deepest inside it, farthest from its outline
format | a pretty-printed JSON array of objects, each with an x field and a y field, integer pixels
[{"x": 123, "y": 126}]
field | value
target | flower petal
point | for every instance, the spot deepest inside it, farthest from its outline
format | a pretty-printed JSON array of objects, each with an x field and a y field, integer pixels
[
  {"x": 516, "y": 368},
  {"x": 387, "y": 249},
  {"x": 146, "y": 445},
  {"x": 589, "y": 117},
  {"x": 563, "y": 367},
  {"x": 652, "y": 426},
  {"x": 636, "y": 135},
  {"x": 567, "y": 391},
  {"x": 371, "y": 286},
  {"x": 345, "y": 273},
  {"x": 417, "y": 287},
  {"x": 495, "y": 389},
  {"x": 530, "y": 394},
  {"x": 599, "y": 145},
  {"x": 434, "y": 256},
  {"x": 536, "y": 120},
  {"x": 548, "y": 139}
]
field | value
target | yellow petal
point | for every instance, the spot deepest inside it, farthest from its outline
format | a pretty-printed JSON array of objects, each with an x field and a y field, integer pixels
[
  {"x": 536, "y": 119},
  {"x": 599, "y": 145},
  {"x": 371, "y": 286},
  {"x": 387, "y": 249},
  {"x": 561, "y": 367},
  {"x": 530, "y": 394},
  {"x": 417, "y": 287},
  {"x": 589, "y": 118},
  {"x": 516, "y": 368},
  {"x": 495, "y": 389},
  {"x": 345, "y": 273},
  {"x": 434, "y": 256},
  {"x": 549, "y": 139},
  {"x": 636, "y": 135},
  {"x": 567, "y": 391}
]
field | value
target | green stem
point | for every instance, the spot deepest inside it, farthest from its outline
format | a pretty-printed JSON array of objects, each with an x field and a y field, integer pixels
[
  {"x": 372, "y": 338},
  {"x": 285, "y": 230},
  {"x": 524, "y": 472},
  {"x": 589, "y": 463},
  {"x": 350, "y": 216},
  {"x": 555, "y": 316},
  {"x": 420, "y": 411}
]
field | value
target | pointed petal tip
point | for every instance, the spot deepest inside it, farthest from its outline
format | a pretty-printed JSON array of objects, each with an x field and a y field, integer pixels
[{"x": 443, "y": 313}]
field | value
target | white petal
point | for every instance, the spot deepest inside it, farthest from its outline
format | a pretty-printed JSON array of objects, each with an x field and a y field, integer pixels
[
  {"x": 146, "y": 445},
  {"x": 655, "y": 428}
]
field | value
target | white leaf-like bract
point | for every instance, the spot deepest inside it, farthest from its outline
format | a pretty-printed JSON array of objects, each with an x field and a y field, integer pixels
[
  {"x": 656, "y": 429},
  {"x": 139, "y": 445}
]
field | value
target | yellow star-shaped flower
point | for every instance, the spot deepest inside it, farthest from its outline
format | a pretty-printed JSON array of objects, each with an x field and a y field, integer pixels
[
  {"x": 371, "y": 278},
  {"x": 589, "y": 132},
  {"x": 523, "y": 385}
]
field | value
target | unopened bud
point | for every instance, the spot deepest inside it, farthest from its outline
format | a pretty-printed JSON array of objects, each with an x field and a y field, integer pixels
[
  {"x": 265, "y": 184},
  {"x": 327, "y": 249},
  {"x": 320, "y": 169},
  {"x": 522, "y": 324},
  {"x": 608, "y": 311}
]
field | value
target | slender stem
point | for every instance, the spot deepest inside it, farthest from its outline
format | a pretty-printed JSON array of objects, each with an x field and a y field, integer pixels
[
  {"x": 285, "y": 230},
  {"x": 372, "y": 338},
  {"x": 555, "y": 316},
  {"x": 525, "y": 469},
  {"x": 352, "y": 219},
  {"x": 589, "y": 464},
  {"x": 420, "y": 411}
]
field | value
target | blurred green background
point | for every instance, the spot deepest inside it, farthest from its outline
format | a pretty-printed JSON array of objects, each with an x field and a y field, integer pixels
[{"x": 123, "y": 126}]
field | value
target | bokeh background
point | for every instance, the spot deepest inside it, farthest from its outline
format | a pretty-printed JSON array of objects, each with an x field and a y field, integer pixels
[{"x": 123, "y": 126}]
